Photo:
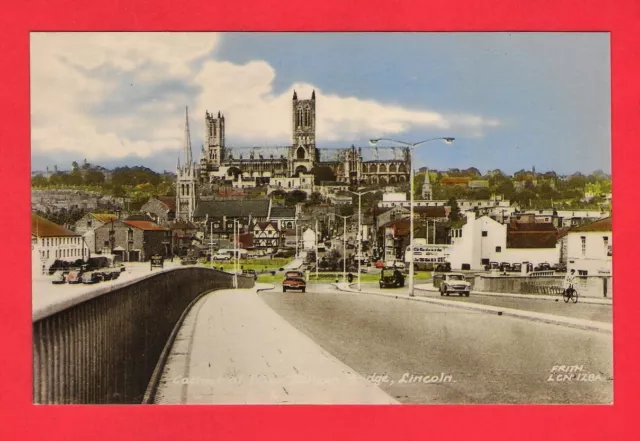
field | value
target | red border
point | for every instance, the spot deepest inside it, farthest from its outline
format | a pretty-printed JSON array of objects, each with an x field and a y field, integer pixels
[{"x": 21, "y": 420}]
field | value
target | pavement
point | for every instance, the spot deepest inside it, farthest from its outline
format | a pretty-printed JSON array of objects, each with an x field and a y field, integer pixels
[
  {"x": 554, "y": 319},
  {"x": 233, "y": 349},
  {"x": 429, "y": 353},
  {"x": 553, "y": 298},
  {"x": 47, "y": 298}
]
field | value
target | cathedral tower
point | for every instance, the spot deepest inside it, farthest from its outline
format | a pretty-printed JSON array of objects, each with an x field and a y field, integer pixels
[
  {"x": 304, "y": 128},
  {"x": 213, "y": 141},
  {"x": 187, "y": 179}
]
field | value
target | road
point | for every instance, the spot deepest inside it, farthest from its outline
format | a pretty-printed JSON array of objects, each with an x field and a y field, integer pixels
[{"x": 434, "y": 354}]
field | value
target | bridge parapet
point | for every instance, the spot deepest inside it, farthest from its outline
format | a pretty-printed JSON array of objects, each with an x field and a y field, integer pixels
[{"x": 102, "y": 346}]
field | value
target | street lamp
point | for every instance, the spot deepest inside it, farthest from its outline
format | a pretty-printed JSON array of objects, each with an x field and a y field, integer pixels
[
  {"x": 344, "y": 247},
  {"x": 236, "y": 252},
  {"x": 360, "y": 229},
  {"x": 411, "y": 146}
]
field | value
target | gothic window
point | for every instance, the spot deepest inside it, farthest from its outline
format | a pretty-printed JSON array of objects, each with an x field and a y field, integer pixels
[
  {"x": 300, "y": 153},
  {"x": 307, "y": 117},
  {"x": 299, "y": 121},
  {"x": 392, "y": 168},
  {"x": 188, "y": 190},
  {"x": 402, "y": 168},
  {"x": 383, "y": 168}
]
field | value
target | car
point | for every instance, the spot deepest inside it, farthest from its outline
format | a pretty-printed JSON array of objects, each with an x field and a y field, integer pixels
[
  {"x": 394, "y": 264},
  {"x": 91, "y": 277},
  {"x": 74, "y": 277},
  {"x": 221, "y": 257},
  {"x": 188, "y": 260},
  {"x": 454, "y": 283},
  {"x": 492, "y": 266},
  {"x": 250, "y": 273},
  {"x": 379, "y": 264},
  {"x": 443, "y": 267},
  {"x": 544, "y": 266},
  {"x": 294, "y": 280},
  {"x": 516, "y": 267},
  {"x": 505, "y": 266},
  {"x": 391, "y": 278},
  {"x": 59, "y": 277}
]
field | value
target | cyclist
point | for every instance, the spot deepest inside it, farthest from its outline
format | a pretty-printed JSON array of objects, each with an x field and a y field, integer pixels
[{"x": 568, "y": 281}]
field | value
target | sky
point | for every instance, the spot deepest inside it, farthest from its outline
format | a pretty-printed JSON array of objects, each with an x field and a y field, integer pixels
[{"x": 512, "y": 100}]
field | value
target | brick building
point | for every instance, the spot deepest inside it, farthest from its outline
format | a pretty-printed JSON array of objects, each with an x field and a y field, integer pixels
[{"x": 133, "y": 240}]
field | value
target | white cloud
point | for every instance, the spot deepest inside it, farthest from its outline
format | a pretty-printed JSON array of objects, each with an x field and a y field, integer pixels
[{"x": 72, "y": 73}]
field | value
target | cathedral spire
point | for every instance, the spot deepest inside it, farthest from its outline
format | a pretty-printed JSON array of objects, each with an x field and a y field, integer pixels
[
  {"x": 295, "y": 95},
  {"x": 187, "y": 138},
  {"x": 313, "y": 94}
]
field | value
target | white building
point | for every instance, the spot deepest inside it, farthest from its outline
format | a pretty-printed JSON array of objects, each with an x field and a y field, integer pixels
[
  {"x": 589, "y": 248},
  {"x": 483, "y": 240},
  {"x": 54, "y": 242},
  {"x": 309, "y": 239}
]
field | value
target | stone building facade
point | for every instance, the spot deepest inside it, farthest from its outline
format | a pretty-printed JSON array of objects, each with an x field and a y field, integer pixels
[{"x": 133, "y": 240}]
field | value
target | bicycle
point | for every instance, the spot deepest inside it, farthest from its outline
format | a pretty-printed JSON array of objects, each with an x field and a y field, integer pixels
[{"x": 570, "y": 294}]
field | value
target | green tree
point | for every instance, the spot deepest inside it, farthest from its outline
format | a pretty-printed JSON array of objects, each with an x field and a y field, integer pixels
[
  {"x": 454, "y": 214},
  {"x": 39, "y": 181},
  {"x": 295, "y": 197},
  {"x": 94, "y": 177},
  {"x": 118, "y": 191}
]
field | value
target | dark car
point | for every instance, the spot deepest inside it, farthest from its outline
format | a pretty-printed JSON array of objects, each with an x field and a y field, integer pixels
[
  {"x": 443, "y": 267},
  {"x": 492, "y": 266},
  {"x": 251, "y": 273},
  {"x": 505, "y": 266},
  {"x": 516, "y": 267},
  {"x": 294, "y": 280},
  {"x": 544, "y": 266},
  {"x": 391, "y": 278}
]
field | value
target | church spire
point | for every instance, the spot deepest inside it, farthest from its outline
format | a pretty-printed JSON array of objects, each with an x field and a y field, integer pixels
[
  {"x": 295, "y": 95},
  {"x": 187, "y": 139},
  {"x": 313, "y": 94}
]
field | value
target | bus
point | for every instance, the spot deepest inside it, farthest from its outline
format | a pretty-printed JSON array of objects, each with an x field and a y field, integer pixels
[{"x": 427, "y": 256}]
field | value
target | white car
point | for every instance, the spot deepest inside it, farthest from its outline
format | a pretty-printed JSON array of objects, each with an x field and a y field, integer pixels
[
  {"x": 221, "y": 257},
  {"x": 454, "y": 283},
  {"x": 394, "y": 264}
]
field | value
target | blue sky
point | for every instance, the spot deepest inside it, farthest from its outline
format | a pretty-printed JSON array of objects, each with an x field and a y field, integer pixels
[{"x": 512, "y": 101}]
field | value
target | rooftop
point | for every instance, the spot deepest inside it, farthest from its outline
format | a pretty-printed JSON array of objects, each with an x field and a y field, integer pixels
[
  {"x": 603, "y": 225},
  {"x": 232, "y": 208},
  {"x": 144, "y": 225},
  {"x": 41, "y": 227}
]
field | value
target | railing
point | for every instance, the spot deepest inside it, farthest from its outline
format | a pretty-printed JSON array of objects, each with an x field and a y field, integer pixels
[{"x": 104, "y": 350}]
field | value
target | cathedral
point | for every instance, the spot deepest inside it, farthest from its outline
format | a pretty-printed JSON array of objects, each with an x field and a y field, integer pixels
[{"x": 287, "y": 167}]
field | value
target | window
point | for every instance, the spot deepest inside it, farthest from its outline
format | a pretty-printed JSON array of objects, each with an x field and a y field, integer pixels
[
  {"x": 89, "y": 223},
  {"x": 583, "y": 239},
  {"x": 484, "y": 234},
  {"x": 106, "y": 243},
  {"x": 498, "y": 249},
  {"x": 605, "y": 240}
]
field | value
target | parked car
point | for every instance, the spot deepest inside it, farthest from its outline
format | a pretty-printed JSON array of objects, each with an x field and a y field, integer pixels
[
  {"x": 391, "y": 278},
  {"x": 222, "y": 257},
  {"x": 294, "y": 280},
  {"x": 544, "y": 266},
  {"x": 251, "y": 273},
  {"x": 395, "y": 264},
  {"x": 74, "y": 277},
  {"x": 91, "y": 277},
  {"x": 492, "y": 266},
  {"x": 188, "y": 260},
  {"x": 505, "y": 266},
  {"x": 443, "y": 267},
  {"x": 59, "y": 277},
  {"x": 379, "y": 264},
  {"x": 516, "y": 267},
  {"x": 454, "y": 283}
]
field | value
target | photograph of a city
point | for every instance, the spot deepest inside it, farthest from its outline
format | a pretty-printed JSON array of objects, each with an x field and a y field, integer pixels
[{"x": 321, "y": 218}]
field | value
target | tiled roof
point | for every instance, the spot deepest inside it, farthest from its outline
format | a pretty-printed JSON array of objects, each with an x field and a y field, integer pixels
[
  {"x": 528, "y": 227},
  {"x": 41, "y": 227},
  {"x": 264, "y": 225},
  {"x": 104, "y": 217},
  {"x": 169, "y": 201},
  {"x": 379, "y": 210},
  {"x": 532, "y": 240},
  {"x": 139, "y": 217},
  {"x": 286, "y": 212},
  {"x": 431, "y": 211},
  {"x": 183, "y": 225},
  {"x": 144, "y": 225},
  {"x": 239, "y": 208},
  {"x": 603, "y": 225}
]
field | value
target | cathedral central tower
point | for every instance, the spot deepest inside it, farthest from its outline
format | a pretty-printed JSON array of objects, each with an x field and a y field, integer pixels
[{"x": 304, "y": 128}]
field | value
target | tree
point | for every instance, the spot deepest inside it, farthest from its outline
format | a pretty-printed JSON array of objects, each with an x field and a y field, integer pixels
[
  {"x": 323, "y": 174},
  {"x": 118, "y": 191},
  {"x": 454, "y": 214},
  {"x": 295, "y": 197},
  {"x": 94, "y": 177},
  {"x": 315, "y": 198},
  {"x": 39, "y": 181}
]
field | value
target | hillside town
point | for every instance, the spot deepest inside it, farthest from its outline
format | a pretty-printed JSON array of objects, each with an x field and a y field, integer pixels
[{"x": 283, "y": 205}]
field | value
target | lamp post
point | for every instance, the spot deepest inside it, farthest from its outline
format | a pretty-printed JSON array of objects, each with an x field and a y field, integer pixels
[
  {"x": 411, "y": 146},
  {"x": 236, "y": 233},
  {"x": 344, "y": 247},
  {"x": 360, "y": 229}
]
